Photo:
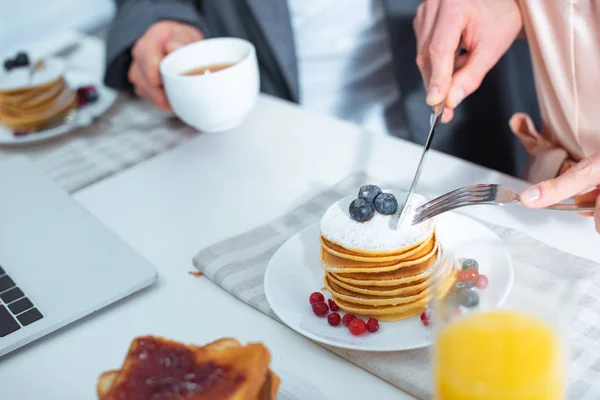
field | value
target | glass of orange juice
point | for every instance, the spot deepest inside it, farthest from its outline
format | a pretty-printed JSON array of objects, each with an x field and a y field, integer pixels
[{"x": 516, "y": 351}]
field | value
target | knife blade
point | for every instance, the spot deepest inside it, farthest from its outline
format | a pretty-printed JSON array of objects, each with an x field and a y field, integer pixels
[{"x": 435, "y": 119}]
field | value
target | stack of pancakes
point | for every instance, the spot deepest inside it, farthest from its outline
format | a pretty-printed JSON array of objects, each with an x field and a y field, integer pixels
[
  {"x": 374, "y": 269},
  {"x": 31, "y": 108}
]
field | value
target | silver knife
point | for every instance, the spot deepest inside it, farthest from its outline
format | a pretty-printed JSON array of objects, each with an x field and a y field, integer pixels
[{"x": 436, "y": 118}]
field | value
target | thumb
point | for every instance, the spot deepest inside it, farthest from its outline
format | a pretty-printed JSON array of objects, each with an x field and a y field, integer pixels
[{"x": 582, "y": 176}]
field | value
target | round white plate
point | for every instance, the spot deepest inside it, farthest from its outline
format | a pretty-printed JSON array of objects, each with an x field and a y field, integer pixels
[
  {"x": 83, "y": 116},
  {"x": 294, "y": 273}
]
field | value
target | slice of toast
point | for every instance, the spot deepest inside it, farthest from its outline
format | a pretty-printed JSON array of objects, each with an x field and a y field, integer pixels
[
  {"x": 267, "y": 392},
  {"x": 169, "y": 370}
]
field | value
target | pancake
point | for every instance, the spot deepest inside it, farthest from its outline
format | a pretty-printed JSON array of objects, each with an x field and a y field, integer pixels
[
  {"x": 416, "y": 263},
  {"x": 344, "y": 257},
  {"x": 35, "y": 107},
  {"x": 395, "y": 312},
  {"x": 387, "y": 291},
  {"x": 406, "y": 294},
  {"x": 375, "y": 269}
]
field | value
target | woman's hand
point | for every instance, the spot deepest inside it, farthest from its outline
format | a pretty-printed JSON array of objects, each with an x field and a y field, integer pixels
[
  {"x": 484, "y": 28},
  {"x": 585, "y": 175},
  {"x": 159, "y": 40}
]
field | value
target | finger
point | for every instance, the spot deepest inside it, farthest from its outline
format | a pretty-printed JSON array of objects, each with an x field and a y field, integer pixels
[
  {"x": 597, "y": 214},
  {"x": 181, "y": 37},
  {"x": 442, "y": 52},
  {"x": 448, "y": 115},
  {"x": 580, "y": 177},
  {"x": 148, "y": 53},
  {"x": 134, "y": 75},
  {"x": 424, "y": 25},
  {"x": 589, "y": 197},
  {"x": 468, "y": 78},
  {"x": 155, "y": 96},
  {"x": 144, "y": 89}
]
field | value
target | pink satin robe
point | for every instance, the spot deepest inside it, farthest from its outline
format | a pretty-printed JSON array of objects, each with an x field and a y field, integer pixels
[{"x": 564, "y": 38}]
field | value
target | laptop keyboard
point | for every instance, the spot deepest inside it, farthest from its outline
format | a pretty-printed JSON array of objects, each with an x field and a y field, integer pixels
[{"x": 16, "y": 310}]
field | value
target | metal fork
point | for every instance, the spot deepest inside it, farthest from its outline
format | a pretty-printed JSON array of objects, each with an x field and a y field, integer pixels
[{"x": 496, "y": 195}]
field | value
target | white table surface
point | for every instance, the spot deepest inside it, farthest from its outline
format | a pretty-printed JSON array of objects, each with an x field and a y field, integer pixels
[{"x": 222, "y": 184}]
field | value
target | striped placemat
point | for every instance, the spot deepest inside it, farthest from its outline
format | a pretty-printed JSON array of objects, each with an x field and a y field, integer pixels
[
  {"x": 130, "y": 132},
  {"x": 238, "y": 266}
]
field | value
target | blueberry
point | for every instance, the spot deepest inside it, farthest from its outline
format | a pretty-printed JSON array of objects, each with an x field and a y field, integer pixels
[
  {"x": 369, "y": 192},
  {"x": 361, "y": 210},
  {"x": 470, "y": 263},
  {"x": 9, "y": 64},
  {"x": 469, "y": 284},
  {"x": 468, "y": 298},
  {"x": 22, "y": 59},
  {"x": 386, "y": 203},
  {"x": 459, "y": 285}
]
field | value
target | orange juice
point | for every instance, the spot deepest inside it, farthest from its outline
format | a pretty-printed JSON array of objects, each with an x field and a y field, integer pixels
[{"x": 499, "y": 355}]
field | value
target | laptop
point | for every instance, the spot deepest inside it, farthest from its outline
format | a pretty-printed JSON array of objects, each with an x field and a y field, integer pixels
[{"x": 57, "y": 262}]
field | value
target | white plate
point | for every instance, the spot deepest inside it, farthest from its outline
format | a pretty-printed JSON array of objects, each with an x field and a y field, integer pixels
[
  {"x": 294, "y": 273},
  {"x": 83, "y": 116}
]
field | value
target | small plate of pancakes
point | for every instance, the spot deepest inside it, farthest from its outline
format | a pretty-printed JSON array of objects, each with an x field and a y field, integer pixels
[
  {"x": 44, "y": 103},
  {"x": 377, "y": 280}
]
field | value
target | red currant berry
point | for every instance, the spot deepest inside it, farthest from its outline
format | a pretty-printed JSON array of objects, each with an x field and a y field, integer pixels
[
  {"x": 332, "y": 305},
  {"x": 372, "y": 325},
  {"x": 334, "y": 319},
  {"x": 348, "y": 318},
  {"x": 357, "y": 327},
  {"x": 316, "y": 297},
  {"x": 21, "y": 132},
  {"x": 320, "y": 309},
  {"x": 426, "y": 318},
  {"x": 482, "y": 282},
  {"x": 472, "y": 275},
  {"x": 461, "y": 276}
]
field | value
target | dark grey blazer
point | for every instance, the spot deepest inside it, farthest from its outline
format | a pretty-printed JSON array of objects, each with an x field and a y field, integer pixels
[{"x": 479, "y": 132}]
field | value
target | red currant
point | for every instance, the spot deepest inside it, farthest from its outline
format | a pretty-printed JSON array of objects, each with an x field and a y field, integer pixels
[
  {"x": 372, "y": 325},
  {"x": 21, "y": 132},
  {"x": 482, "y": 282},
  {"x": 348, "y": 318},
  {"x": 320, "y": 308},
  {"x": 472, "y": 275},
  {"x": 357, "y": 327},
  {"x": 316, "y": 297},
  {"x": 426, "y": 318},
  {"x": 461, "y": 276},
  {"x": 334, "y": 319},
  {"x": 332, "y": 305}
]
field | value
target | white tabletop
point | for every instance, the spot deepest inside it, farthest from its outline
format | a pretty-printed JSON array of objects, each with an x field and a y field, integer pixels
[{"x": 220, "y": 185}]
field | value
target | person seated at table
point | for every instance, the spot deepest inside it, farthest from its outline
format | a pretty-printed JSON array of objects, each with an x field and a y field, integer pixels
[
  {"x": 565, "y": 43},
  {"x": 352, "y": 59}
]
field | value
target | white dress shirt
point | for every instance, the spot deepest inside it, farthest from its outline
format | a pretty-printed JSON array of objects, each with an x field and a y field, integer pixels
[{"x": 344, "y": 60}]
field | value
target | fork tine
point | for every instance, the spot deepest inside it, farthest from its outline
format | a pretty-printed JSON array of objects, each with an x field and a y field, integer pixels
[
  {"x": 479, "y": 188},
  {"x": 434, "y": 213},
  {"x": 463, "y": 197},
  {"x": 457, "y": 198}
]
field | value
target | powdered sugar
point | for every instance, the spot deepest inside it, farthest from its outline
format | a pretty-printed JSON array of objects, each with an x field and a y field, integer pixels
[{"x": 377, "y": 233}]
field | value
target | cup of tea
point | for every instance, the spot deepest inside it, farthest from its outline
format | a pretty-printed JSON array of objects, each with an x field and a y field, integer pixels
[{"x": 212, "y": 84}]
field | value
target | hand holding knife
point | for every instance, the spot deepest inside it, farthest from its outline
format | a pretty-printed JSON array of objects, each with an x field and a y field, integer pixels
[{"x": 435, "y": 119}]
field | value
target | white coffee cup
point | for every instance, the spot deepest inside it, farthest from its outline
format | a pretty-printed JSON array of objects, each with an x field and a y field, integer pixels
[{"x": 215, "y": 101}]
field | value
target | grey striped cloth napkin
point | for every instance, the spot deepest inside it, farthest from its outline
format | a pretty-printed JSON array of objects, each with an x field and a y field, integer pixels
[
  {"x": 238, "y": 266},
  {"x": 130, "y": 132}
]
